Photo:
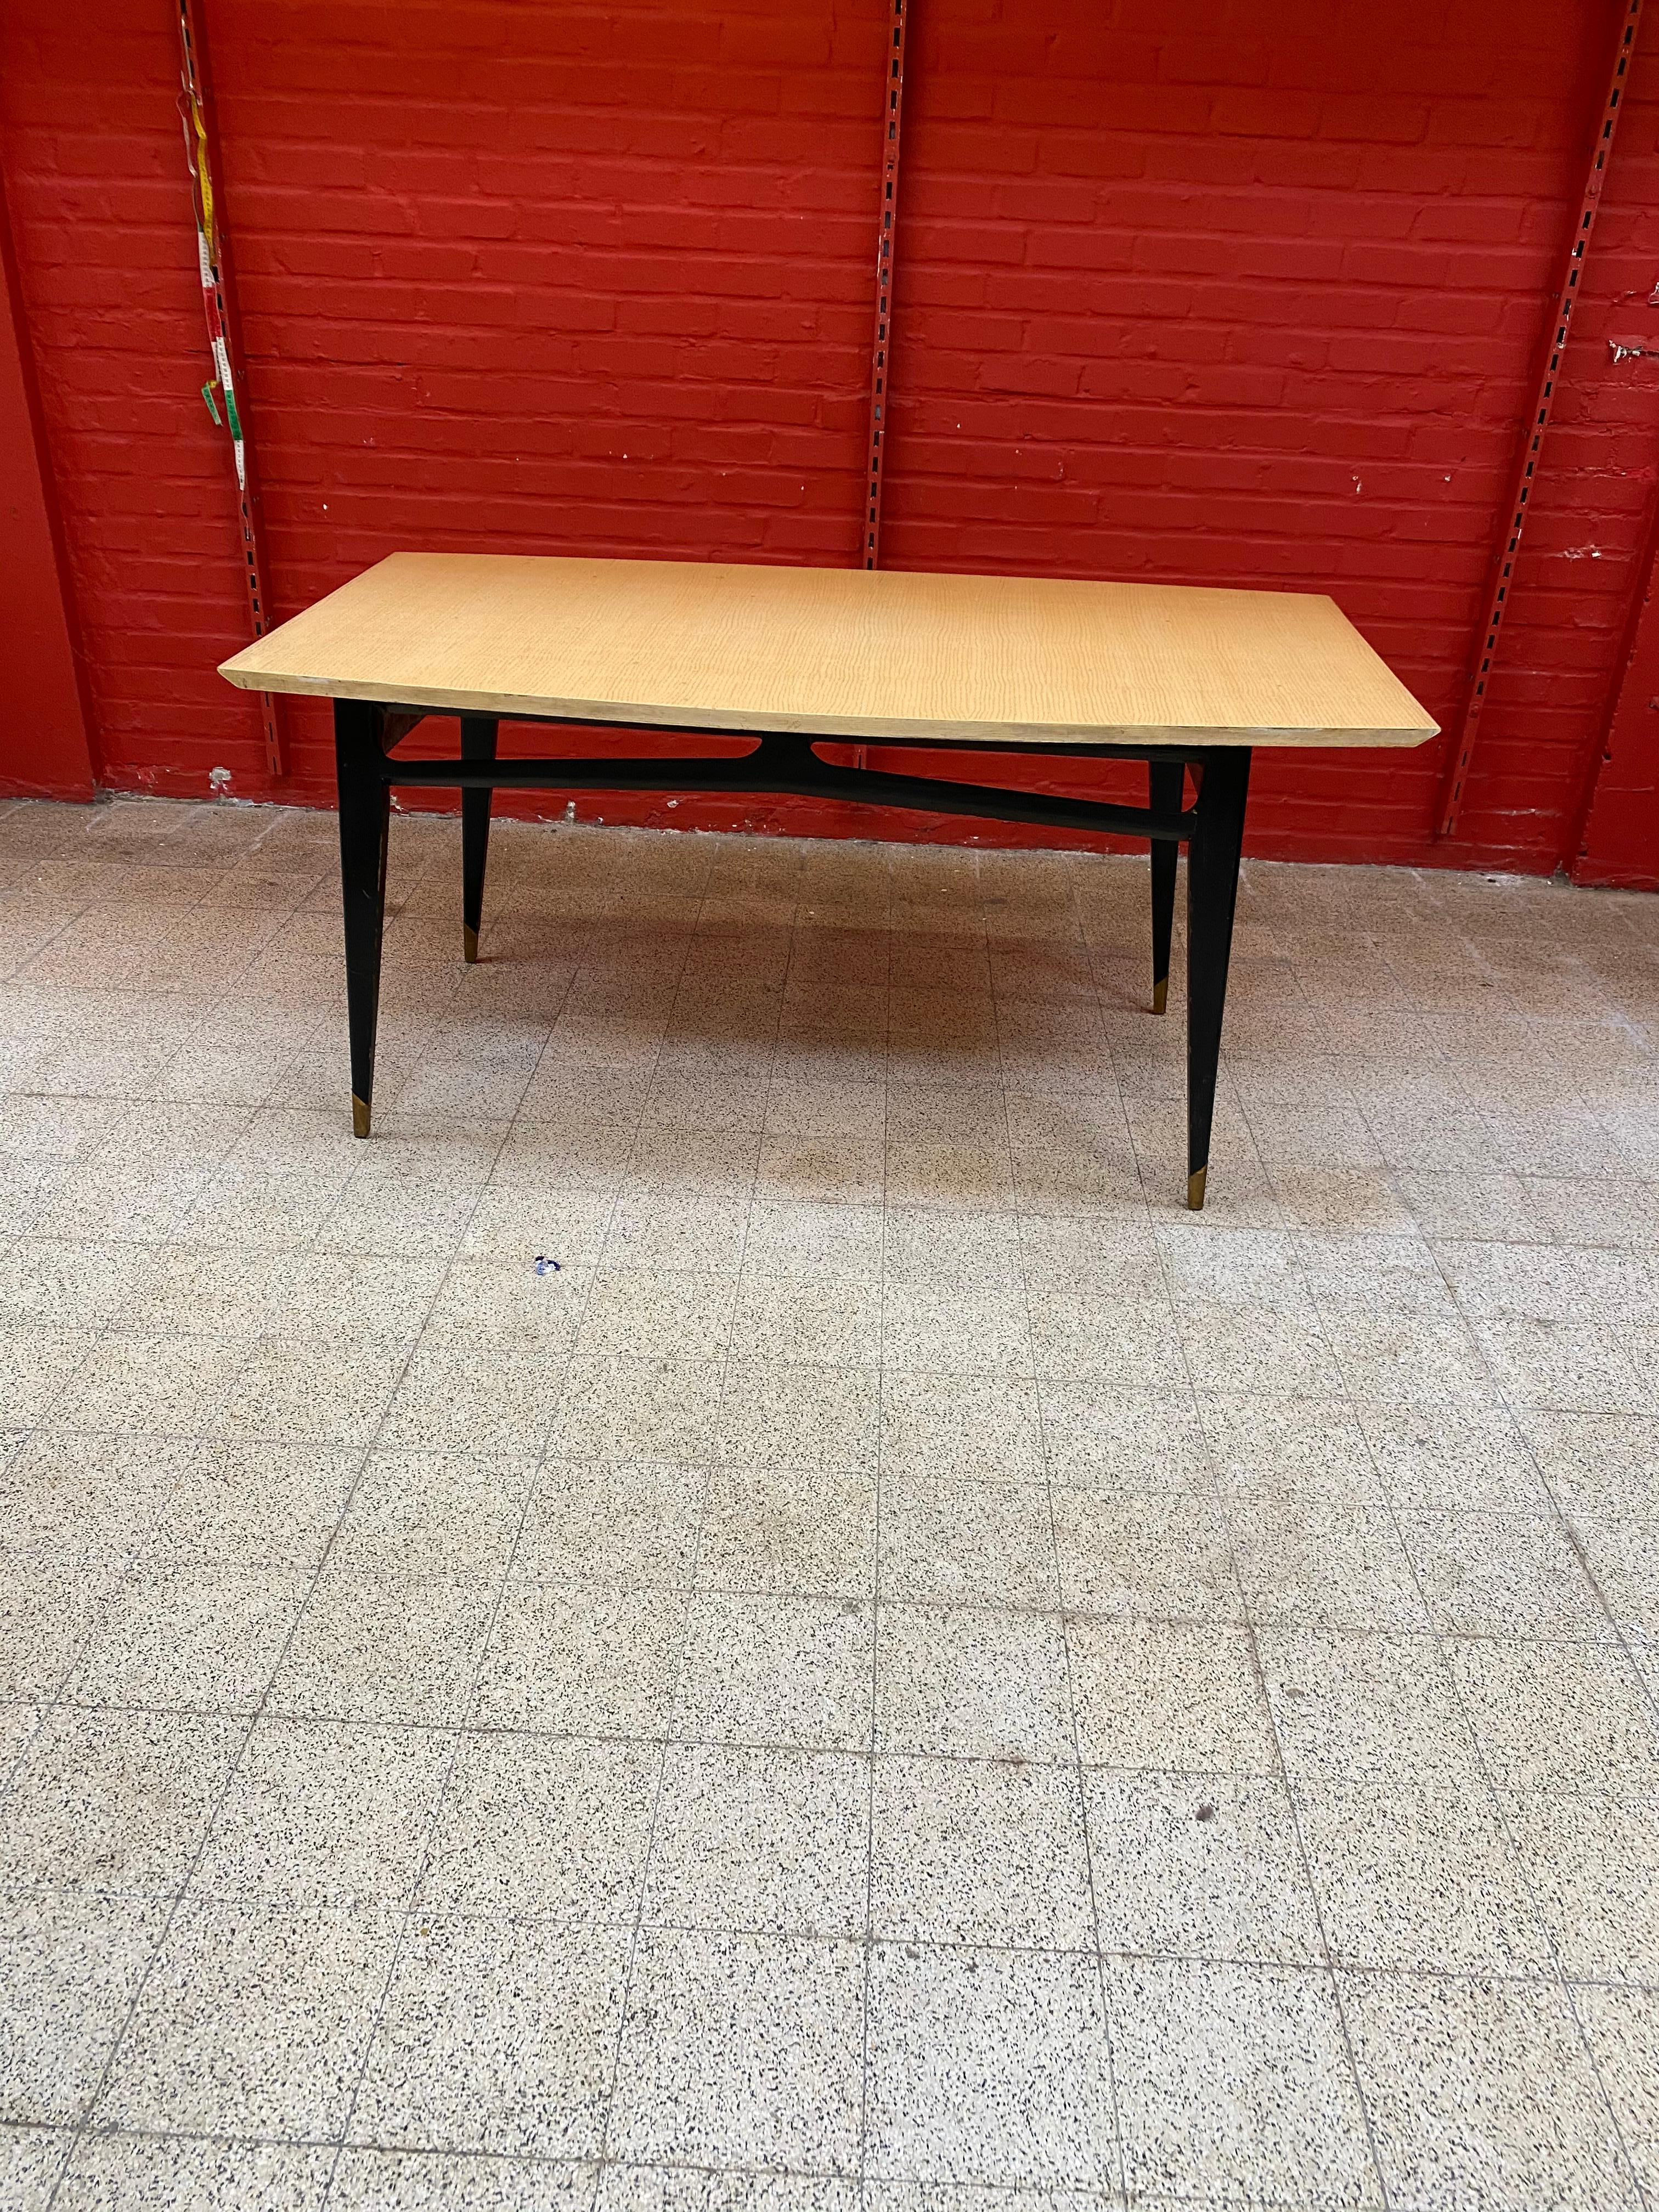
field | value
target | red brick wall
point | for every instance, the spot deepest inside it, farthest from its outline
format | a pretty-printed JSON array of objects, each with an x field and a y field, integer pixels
[
  {"x": 44, "y": 750},
  {"x": 1251, "y": 292}
]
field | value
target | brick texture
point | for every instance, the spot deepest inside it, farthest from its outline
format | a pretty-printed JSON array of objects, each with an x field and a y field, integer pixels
[{"x": 1249, "y": 293}]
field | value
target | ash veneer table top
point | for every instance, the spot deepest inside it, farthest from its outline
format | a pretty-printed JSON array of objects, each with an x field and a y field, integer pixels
[{"x": 1000, "y": 660}]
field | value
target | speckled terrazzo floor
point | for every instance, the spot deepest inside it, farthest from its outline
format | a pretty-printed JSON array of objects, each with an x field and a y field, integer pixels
[{"x": 910, "y": 1666}]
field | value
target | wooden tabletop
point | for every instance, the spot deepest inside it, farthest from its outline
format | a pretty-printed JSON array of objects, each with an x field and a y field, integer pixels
[{"x": 1004, "y": 660}]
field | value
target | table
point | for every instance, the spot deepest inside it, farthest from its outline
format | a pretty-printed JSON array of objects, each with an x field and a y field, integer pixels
[{"x": 1191, "y": 681}]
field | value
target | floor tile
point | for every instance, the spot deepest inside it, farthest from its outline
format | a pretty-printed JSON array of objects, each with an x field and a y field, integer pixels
[
  {"x": 1621, "y": 2028},
  {"x": 1419, "y": 1879},
  {"x": 427, "y": 2181},
  {"x": 779, "y": 1413},
  {"x": 979, "y": 1851},
  {"x": 1594, "y": 1867},
  {"x": 1280, "y": 1448},
  {"x": 949, "y": 1540},
  {"x": 985, "y": 1249},
  {"x": 1304, "y": 1564},
  {"x": 1597, "y": 1463},
  {"x": 1235, "y": 2079},
  {"x": 542, "y": 1828},
  {"x": 1559, "y": 1716},
  {"x": 151, "y": 1384},
  {"x": 1162, "y": 1555},
  {"x": 700, "y": 2189},
  {"x": 47, "y": 1616},
  {"x": 939, "y": 1326},
  {"x": 1278, "y": 1350},
  {"x": 785, "y": 1671},
  {"x": 820, "y": 1171},
  {"x": 93, "y": 1501},
  {"x": 805, "y": 1236},
  {"x": 971, "y": 1683},
  {"x": 1169, "y": 1697},
  {"x": 611, "y": 1525},
  {"x": 820, "y": 1319},
  {"x": 1564, "y": 1366},
  {"x": 760, "y": 1841},
  {"x": 988, "y": 2066},
  {"x": 114, "y": 1800},
  {"x": 633, "y": 1312},
  {"x": 1485, "y": 1574},
  {"x": 1130, "y": 1345},
  {"x": 455, "y": 1396},
  {"x": 1621, "y": 1558},
  {"x": 1208, "y": 1868},
  {"x": 72, "y": 1962},
  {"x": 1105, "y": 1439},
  {"x": 581, "y": 1662},
  {"x": 416, "y": 1512},
  {"x": 318, "y": 1813},
  {"x": 982, "y": 1427},
  {"x": 258, "y": 1506},
  {"x": 1364, "y": 1707},
  {"x": 640, "y": 1409},
  {"x": 384, "y": 1647},
  {"x": 18, "y": 1723},
  {"x": 741, "y": 2050},
  {"x": 1480, "y": 2095},
  {"x": 1410, "y": 1358},
  {"x": 806, "y": 1530},
  {"x": 32, "y": 2161},
  {"x": 254, "y": 2022},
  {"x": 498, "y": 2035},
  {"x": 126, "y": 2172},
  {"x": 199, "y": 1640},
  {"x": 1439, "y": 1461}
]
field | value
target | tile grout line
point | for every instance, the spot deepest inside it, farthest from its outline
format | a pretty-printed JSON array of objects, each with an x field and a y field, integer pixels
[
  {"x": 463, "y": 1702},
  {"x": 673, "y": 1686},
  {"x": 457, "y": 1735},
  {"x": 43, "y": 1427},
  {"x": 85, "y": 2126},
  {"x": 1501, "y": 1797},
  {"x": 1223, "y": 1500},
  {"x": 867, "y": 1994},
  {"x": 1075, "y": 1769},
  {"x": 1441, "y": 1639}
]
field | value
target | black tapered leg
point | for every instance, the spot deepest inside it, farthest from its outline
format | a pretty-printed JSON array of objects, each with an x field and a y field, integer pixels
[
  {"x": 1165, "y": 782},
  {"x": 477, "y": 743},
  {"x": 365, "y": 811},
  {"x": 1212, "y": 894}
]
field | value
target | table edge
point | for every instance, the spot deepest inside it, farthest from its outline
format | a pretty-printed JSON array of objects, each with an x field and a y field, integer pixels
[{"x": 720, "y": 721}]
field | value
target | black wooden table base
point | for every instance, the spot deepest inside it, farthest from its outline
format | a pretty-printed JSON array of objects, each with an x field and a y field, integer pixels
[{"x": 366, "y": 733}]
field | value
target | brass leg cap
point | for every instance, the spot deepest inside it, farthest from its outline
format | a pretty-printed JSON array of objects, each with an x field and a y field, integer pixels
[
  {"x": 470, "y": 942},
  {"x": 1160, "y": 994},
  {"x": 1195, "y": 1188},
  {"x": 359, "y": 1115}
]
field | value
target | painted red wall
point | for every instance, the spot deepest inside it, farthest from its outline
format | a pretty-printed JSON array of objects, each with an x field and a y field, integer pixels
[
  {"x": 1251, "y": 293},
  {"x": 44, "y": 749},
  {"x": 1620, "y": 841}
]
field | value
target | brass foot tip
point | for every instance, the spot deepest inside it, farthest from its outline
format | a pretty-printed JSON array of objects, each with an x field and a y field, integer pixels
[
  {"x": 470, "y": 942},
  {"x": 1160, "y": 994},
  {"x": 359, "y": 1115},
  {"x": 1195, "y": 1188}
]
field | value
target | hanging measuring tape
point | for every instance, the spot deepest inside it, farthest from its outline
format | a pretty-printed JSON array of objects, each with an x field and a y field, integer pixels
[{"x": 221, "y": 386}]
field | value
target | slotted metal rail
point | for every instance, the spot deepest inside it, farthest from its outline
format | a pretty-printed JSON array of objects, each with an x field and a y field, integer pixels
[
  {"x": 881, "y": 343},
  {"x": 1497, "y": 601}
]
